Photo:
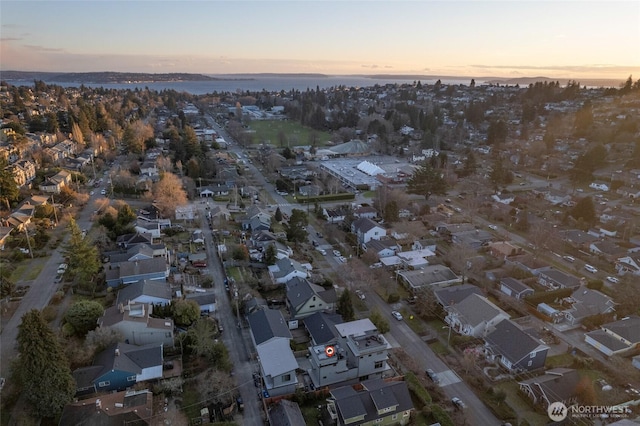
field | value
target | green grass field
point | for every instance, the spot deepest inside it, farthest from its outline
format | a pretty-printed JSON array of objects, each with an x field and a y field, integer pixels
[{"x": 267, "y": 131}]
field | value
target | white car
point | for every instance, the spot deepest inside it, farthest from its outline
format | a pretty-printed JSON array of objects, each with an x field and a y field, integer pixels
[
  {"x": 342, "y": 259},
  {"x": 397, "y": 315},
  {"x": 336, "y": 253},
  {"x": 360, "y": 295},
  {"x": 103, "y": 192},
  {"x": 494, "y": 227},
  {"x": 613, "y": 280}
]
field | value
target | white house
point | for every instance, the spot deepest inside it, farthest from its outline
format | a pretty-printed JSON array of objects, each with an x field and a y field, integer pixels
[{"x": 367, "y": 230}]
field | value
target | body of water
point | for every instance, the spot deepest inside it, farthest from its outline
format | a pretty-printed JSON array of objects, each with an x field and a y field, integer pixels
[{"x": 270, "y": 84}]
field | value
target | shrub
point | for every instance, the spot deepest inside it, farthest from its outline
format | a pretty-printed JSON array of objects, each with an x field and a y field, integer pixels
[
  {"x": 393, "y": 298},
  {"x": 57, "y": 297},
  {"x": 49, "y": 313},
  {"x": 440, "y": 415},
  {"x": 418, "y": 390}
]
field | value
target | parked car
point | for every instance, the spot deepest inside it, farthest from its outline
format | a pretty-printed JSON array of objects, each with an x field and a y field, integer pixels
[
  {"x": 360, "y": 295},
  {"x": 494, "y": 227},
  {"x": 590, "y": 268},
  {"x": 432, "y": 375},
  {"x": 457, "y": 402},
  {"x": 397, "y": 315},
  {"x": 337, "y": 253},
  {"x": 569, "y": 258},
  {"x": 613, "y": 280}
]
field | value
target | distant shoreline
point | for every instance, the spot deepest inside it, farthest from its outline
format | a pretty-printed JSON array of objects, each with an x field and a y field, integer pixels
[{"x": 109, "y": 77}]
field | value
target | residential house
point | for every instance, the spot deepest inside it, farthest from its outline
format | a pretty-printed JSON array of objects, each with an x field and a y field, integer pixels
[
  {"x": 256, "y": 219},
  {"x": 367, "y": 230},
  {"x": 579, "y": 239},
  {"x": 152, "y": 227},
  {"x": 628, "y": 192},
  {"x": 586, "y": 302},
  {"x": 474, "y": 239},
  {"x": 149, "y": 168},
  {"x": 305, "y": 298},
  {"x": 219, "y": 212},
  {"x": 415, "y": 259},
  {"x": 270, "y": 335},
  {"x": 365, "y": 212},
  {"x": 54, "y": 184},
  {"x": 156, "y": 292},
  {"x": 431, "y": 276},
  {"x": 616, "y": 337},
  {"x": 124, "y": 273},
  {"x": 119, "y": 367},
  {"x": 514, "y": 349},
  {"x": 629, "y": 264},
  {"x": 608, "y": 250},
  {"x": 474, "y": 316},
  {"x": 111, "y": 409},
  {"x": 556, "y": 385},
  {"x": 503, "y": 198},
  {"x": 128, "y": 240},
  {"x": 206, "y": 301},
  {"x": 359, "y": 351},
  {"x": 335, "y": 215},
  {"x": 455, "y": 294},
  {"x": 429, "y": 244},
  {"x": 286, "y": 269},
  {"x": 134, "y": 322},
  {"x": 24, "y": 171},
  {"x": 375, "y": 402},
  {"x": 382, "y": 248},
  {"x": 514, "y": 288},
  {"x": 554, "y": 278},
  {"x": 504, "y": 249},
  {"x": 285, "y": 413},
  {"x": 282, "y": 251},
  {"x": 320, "y": 328}
]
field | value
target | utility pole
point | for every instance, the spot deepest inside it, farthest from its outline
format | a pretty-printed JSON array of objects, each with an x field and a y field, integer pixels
[
  {"x": 55, "y": 214},
  {"x": 28, "y": 241}
]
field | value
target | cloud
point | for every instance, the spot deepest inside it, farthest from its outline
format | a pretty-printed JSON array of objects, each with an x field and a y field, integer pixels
[
  {"x": 3, "y": 39},
  {"x": 42, "y": 48},
  {"x": 567, "y": 68},
  {"x": 373, "y": 66}
]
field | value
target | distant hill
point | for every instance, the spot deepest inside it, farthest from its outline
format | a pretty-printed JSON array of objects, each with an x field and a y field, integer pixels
[
  {"x": 102, "y": 77},
  {"x": 525, "y": 81}
]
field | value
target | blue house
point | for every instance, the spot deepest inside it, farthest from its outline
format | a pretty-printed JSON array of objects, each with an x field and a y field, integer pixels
[{"x": 119, "y": 367}]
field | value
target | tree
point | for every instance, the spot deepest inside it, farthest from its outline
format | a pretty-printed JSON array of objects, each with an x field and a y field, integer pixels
[
  {"x": 169, "y": 194},
  {"x": 391, "y": 211},
  {"x": 102, "y": 337},
  {"x": 185, "y": 311},
  {"x": 584, "y": 210},
  {"x": 83, "y": 316},
  {"x": 500, "y": 175},
  {"x": 295, "y": 228},
  {"x": 270, "y": 255},
  {"x": 135, "y": 135},
  {"x": 427, "y": 181},
  {"x": 278, "y": 215},
  {"x": 497, "y": 132},
  {"x": 42, "y": 368},
  {"x": 345, "y": 307},
  {"x": 83, "y": 258},
  {"x": 381, "y": 323},
  {"x": 9, "y": 192}
]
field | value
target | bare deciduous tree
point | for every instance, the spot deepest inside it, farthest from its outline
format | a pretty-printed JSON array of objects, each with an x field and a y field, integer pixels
[{"x": 169, "y": 193}]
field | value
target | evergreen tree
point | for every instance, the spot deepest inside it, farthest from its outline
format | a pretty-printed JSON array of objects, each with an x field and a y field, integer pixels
[
  {"x": 295, "y": 227},
  {"x": 9, "y": 192},
  {"x": 278, "y": 215},
  {"x": 42, "y": 368},
  {"x": 83, "y": 316},
  {"x": 345, "y": 306},
  {"x": 584, "y": 210},
  {"x": 426, "y": 181},
  {"x": 270, "y": 255},
  {"x": 83, "y": 258}
]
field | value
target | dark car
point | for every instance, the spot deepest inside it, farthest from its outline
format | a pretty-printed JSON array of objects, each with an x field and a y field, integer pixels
[{"x": 432, "y": 375}]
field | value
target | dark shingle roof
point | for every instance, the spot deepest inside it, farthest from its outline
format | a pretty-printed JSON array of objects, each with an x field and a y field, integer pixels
[
  {"x": 285, "y": 413},
  {"x": 154, "y": 288},
  {"x": 456, "y": 294},
  {"x": 266, "y": 324},
  {"x": 376, "y": 395},
  {"x": 320, "y": 327},
  {"x": 511, "y": 342}
]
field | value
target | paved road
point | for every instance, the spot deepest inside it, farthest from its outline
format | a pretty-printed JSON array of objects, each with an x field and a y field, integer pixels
[{"x": 237, "y": 340}]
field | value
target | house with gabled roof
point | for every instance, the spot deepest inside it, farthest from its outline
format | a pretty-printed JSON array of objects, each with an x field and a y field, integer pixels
[
  {"x": 277, "y": 367},
  {"x": 127, "y": 240},
  {"x": 365, "y": 211},
  {"x": 616, "y": 337},
  {"x": 555, "y": 385},
  {"x": 474, "y": 316},
  {"x": 629, "y": 264},
  {"x": 206, "y": 301},
  {"x": 267, "y": 324},
  {"x": 455, "y": 294},
  {"x": 286, "y": 269},
  {"x": 554, "y": 279},
  {"x": 137, "y": 326},
  {"x": 514, "y": 288},
  {"x": 305, "y": 298},
  {"x": 367, "y": 230},
  {"x": 119, "y": 367},
  {"x": 156, "y": 292},
  {"x": 586, "y": 302},
  {"x": 578, "y": 238},
  {"x": 607, "y": 249},
  {"x": 384, "y": 247},
  {"x": 335, "y": 215},
  {"x": 320, "y": 327},
  {"x": 373, "y": 402},
  {"x": 514, "y": 349},
  {"x": 124, "y": 273},
  {"x": 113, "y": 409}
]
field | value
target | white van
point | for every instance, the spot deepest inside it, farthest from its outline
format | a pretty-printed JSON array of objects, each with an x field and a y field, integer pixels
[{"x": 590, "y": 268}]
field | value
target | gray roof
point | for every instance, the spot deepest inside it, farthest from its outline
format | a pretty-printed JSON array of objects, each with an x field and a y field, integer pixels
[
  {"x": 516, "y": 285},
  {"x": 431, "y": 274},
  {"x": 558, "y": 384},
  {"x": 321, "y": 327},
  {"x": 285, "y": 266},
  {"x": 276, "y": 357},
  {"x": 285, "y": 413},
  {"x": 627, "y": 328},
  {"x": 377, "y": 395},
  {"x": 379, "y": 245},
  {"x": 456, "y": 294},
  {"x": 299, "y": 290},
  {"x": 565, "y": 280},
  {"x": 511, "y": 342},
  {"x": 475, "y": 309},
  {"x": 364, "y": 224},
  {"x": 153, "y": 288},
  {"x": 607, "y": 340},
  {"x": 202, "y": 299},
  {"x": 590, "y": 302},
  {"x": 138, "y": 267},
  {"x": 266, "y": 324}
]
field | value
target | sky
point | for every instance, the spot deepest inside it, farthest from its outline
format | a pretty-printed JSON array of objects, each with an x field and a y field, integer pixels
[{"x": 506, "y": 38}]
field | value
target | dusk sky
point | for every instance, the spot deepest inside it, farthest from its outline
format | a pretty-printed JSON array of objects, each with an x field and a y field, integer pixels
[{"x": 571, "y": 39}]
